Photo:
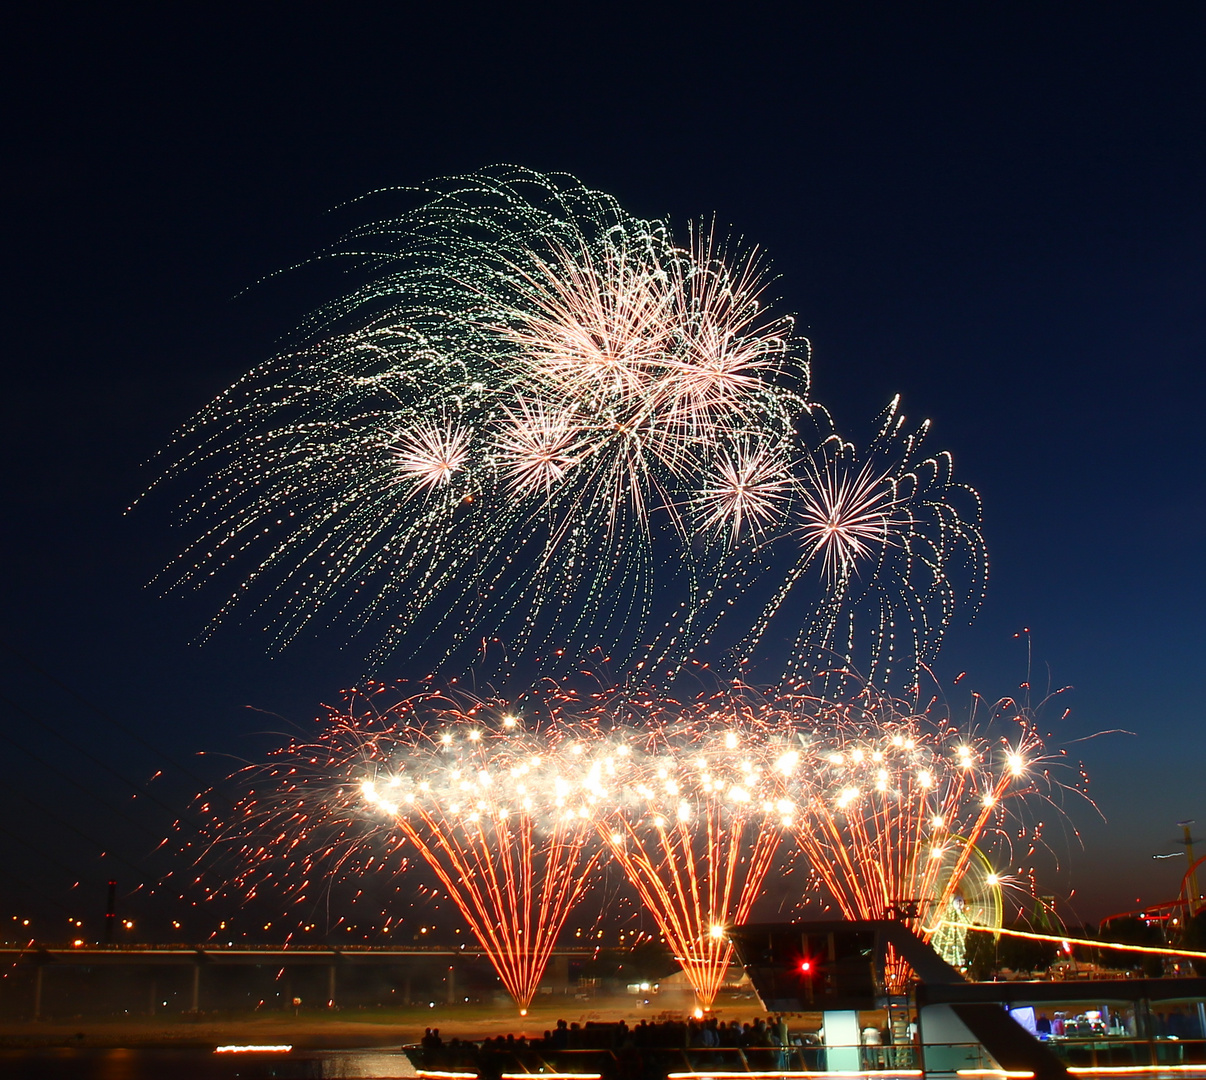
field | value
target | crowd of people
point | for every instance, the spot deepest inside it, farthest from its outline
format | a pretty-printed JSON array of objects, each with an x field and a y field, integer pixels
[
  {"x": 623, "y": 1051},
  {"x": 672, "y": 1034}
]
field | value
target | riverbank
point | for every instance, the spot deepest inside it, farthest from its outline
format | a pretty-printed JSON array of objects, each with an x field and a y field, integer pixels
[{"x": 328, "y": 1030}]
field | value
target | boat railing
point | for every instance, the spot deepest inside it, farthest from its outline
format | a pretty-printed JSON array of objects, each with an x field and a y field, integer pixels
[
  {"x": 469, "y": 1062},
  {"x": 1112, "y": 1052}
]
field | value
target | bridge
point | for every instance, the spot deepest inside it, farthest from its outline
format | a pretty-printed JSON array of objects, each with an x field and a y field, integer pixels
[{"x": 43, "y": 958}]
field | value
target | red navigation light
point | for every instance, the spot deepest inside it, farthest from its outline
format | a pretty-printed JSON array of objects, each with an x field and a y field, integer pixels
[{"x": 806, "y": 967}]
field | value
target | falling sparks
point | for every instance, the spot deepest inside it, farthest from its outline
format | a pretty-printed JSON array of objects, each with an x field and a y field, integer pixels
[
  {"x": 489, "y": 437},
  {"x": 896, "y": 804},
  {"x": 888, "y": 543},
  {"x": 696, "y": 812}
]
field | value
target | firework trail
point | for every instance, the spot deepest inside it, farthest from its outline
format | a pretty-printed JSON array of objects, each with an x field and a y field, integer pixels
[
  {"x": 502, "y": 811},
  {"x": 896, "y": 802},
  {"x": 695, "y": 811},
  {"x": 881, "y": 546},
  {"x": 504, "y": 817},
  {"x": 519, "y": 428}
]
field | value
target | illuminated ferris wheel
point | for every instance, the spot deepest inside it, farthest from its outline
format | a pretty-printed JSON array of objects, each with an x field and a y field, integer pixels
[{"x": 975, "y": 900}]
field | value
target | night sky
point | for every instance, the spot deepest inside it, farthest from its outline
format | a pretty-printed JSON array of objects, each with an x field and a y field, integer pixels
[{"x": 997, "y": 211}]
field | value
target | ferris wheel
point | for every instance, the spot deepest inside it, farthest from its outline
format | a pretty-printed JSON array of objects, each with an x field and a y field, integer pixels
[{"x": 975, "y": 900}]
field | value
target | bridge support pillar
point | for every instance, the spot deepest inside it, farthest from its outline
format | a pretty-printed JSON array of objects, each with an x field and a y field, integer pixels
[{"x": 38, "y": 975}]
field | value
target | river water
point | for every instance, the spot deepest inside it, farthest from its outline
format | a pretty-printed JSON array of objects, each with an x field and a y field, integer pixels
[
  {"x": 78, "y": 1064},
  {"x": 81, "y": 1064}
]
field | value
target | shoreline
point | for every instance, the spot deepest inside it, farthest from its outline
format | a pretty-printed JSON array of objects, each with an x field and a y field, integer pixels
[{"x": 334, "y": 1030}]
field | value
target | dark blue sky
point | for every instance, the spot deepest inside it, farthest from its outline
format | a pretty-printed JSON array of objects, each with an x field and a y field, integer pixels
[{"x": 997, "y": 212}]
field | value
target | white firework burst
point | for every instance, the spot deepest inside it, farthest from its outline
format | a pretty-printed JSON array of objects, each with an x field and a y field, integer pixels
[
  {"x": 594, "y": 323},
  {"x": 845, "y": 515},
  {"x": 490, "y": 436},
  {"x": 430, "y": 453},
  {"x": 537, "y": 446},
  {"x": 746, "y": 491},
  {"x": 728, "y": 345}
]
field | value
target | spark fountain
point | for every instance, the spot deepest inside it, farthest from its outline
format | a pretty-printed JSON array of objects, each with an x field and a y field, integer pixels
[
  {"x": 896, "y": 803},
  {"x": 504, "y": 816},
  {"x": 697, "y": 808}
]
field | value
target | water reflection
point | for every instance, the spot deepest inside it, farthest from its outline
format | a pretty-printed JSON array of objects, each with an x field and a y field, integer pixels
[{"x": 73, "y": 1064}]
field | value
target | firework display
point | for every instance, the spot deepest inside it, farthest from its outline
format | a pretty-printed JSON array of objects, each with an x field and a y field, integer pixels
[
  {"x": 698, "y": 805},
  {"x": 896, "y": 802},
  {"x": 546, "y": 424},
  {"x": 503, "y": 816},
  {"x": 702, "y": 805},
  {"x": 518, "y": 430},
  {"x": 542, "y": 428}
]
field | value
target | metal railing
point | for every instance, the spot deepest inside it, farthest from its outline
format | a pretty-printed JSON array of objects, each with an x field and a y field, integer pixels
[{"x": 1113, "y": 1052}]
